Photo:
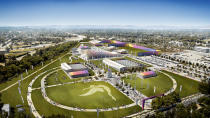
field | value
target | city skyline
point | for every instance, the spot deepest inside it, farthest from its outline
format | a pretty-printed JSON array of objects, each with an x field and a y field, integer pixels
[{"x": 105, "y": 12}]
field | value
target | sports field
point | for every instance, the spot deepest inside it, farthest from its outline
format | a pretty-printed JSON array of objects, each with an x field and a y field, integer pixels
[
  {"x": 146, "y": 86},
  {"x": 88, "y": 95},
  {"x": 45, "y": 108}
]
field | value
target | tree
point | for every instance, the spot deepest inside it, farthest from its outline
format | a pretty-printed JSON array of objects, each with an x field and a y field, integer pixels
[
  {"x": 204, "y": 87},
  {"x": 165, "y": 101},
  {"x": 2, "y": 58}
]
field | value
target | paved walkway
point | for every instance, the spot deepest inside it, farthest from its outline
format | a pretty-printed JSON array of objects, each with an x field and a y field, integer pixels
[
  {"x": 29, "y": 99},
  {"x": 174, "y": 84}
]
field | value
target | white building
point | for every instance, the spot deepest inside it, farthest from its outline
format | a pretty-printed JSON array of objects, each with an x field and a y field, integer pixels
[
  {"x": 202, "y": 49},
  {"x": 73, "y": 67},
  {"x": 114, "y": 65}
]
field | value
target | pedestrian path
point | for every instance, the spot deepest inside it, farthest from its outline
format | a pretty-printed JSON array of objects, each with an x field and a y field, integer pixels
[
  {"x": 174, "y": 84},
  {"x": 29, "y": 99}
]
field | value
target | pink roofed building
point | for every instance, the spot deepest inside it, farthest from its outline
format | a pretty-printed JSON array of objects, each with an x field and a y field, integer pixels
[{"x": 147, "y": 74}]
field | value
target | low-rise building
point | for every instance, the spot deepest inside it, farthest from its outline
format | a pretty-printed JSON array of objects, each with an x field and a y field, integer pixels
[{"x": 202, "y": 49}]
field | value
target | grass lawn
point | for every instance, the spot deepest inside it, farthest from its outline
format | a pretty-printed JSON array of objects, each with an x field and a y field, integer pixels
[
  {"x": 21, "y": 50},
  {"x": 70, "y": 95},
  {"x": 189, "y": 86},
  {"x": 146, "y": 86},
  {"x": 77, "y": 59},
  {"x": 46, "y": 109},
  {"x": 37, "y": 83}
]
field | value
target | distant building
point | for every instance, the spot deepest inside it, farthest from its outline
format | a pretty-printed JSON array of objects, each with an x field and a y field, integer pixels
[
  {"x": 3, "y": 50},
  {"x": 176, "y": 43},
  {"x": 202, "y": 49},
  {"x": 122, "y": 51}
]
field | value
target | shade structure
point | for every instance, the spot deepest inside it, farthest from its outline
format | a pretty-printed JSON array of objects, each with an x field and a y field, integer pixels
[
  {"x": 79, "y": 73},
  {"x": 91, "y": 54},
  {"x": 147, "y": 74}
]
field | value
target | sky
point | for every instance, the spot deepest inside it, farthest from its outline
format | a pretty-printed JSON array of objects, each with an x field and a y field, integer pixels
[{"x": 105, "y": 12}]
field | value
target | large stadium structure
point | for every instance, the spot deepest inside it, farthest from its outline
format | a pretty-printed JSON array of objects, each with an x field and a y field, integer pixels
[
  {"x": 121, "y": 65},
  {"x": 97, "y": 53},
  {"x": 148, "y": 51}
]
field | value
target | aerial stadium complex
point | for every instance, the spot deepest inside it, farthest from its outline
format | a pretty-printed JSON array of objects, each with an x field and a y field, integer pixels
[{"x": 100, "y": 79}]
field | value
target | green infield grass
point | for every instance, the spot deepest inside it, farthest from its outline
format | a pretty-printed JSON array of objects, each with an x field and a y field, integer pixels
[
  {"x": 189, "y": 86},
  {"x": 72, "y": 95},
  {"x": 46, "y": 109},
  {"x": 161, "y": 82}
]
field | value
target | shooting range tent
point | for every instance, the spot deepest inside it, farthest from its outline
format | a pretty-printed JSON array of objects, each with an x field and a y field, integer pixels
[
  {"x": 147, "y": 74},
  {"x": 76, "y": 74}
]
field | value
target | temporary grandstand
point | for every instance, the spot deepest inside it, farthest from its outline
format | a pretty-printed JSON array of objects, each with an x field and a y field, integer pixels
[
  {"x": 81, "y": 73},
  {"x": 73, "y": 67},
  {"x": 75, "y": 70},
  {"x": 147, "y": 74}
]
